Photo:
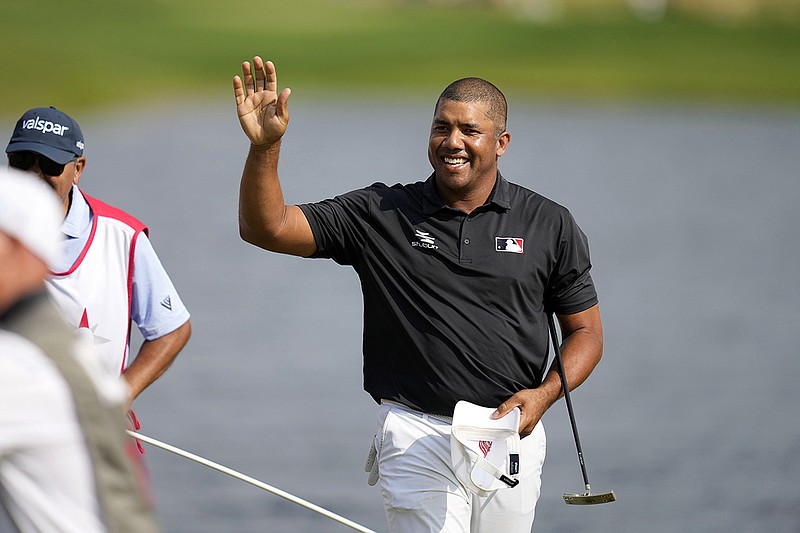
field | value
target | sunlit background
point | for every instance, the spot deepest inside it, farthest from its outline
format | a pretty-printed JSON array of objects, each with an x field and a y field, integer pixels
[{"x": 96, "y": 53}]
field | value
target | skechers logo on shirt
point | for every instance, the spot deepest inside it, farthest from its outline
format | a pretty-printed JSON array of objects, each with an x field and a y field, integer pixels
[
  {"x": 424, "y": 240},
  {"x": 509, "y": 244},
  {"x": 45, "y": 126}
]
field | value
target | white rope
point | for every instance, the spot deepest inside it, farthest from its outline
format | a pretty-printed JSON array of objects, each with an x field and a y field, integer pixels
[{"x": 252, "y": 481}]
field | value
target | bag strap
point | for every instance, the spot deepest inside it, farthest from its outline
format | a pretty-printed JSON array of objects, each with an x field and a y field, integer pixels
[
  {"x": 513, "y": 464},
  {"x": 496, "y": 472}
]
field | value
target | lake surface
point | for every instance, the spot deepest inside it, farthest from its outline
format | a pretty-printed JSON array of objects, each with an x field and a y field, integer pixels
[{"x": 693, "y": 220}]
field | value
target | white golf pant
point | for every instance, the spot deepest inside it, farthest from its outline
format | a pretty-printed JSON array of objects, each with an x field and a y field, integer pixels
[{"x": 421, "y": 492}]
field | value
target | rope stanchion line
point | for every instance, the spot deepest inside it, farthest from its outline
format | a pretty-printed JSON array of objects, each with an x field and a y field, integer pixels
[{"x": 250, "y": 480}]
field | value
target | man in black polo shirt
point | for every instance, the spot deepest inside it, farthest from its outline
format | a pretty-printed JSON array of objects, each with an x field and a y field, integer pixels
[{"x": 457, "y": 274}]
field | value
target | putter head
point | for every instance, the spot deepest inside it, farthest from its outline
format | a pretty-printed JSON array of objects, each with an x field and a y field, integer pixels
[{"x": 590, "y": 499}]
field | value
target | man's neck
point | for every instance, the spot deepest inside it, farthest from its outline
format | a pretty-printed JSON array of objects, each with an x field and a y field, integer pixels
[{"x": 467, "y": 200}]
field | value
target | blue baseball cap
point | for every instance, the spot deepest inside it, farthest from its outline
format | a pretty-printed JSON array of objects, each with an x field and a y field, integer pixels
[{"x": 49, "y": 132}]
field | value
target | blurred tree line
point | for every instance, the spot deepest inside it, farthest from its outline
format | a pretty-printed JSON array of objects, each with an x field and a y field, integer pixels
[{"x": 725, "y": 11}]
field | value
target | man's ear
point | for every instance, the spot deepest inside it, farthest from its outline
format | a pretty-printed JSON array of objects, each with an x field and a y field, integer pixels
[
  {"x": 502, "y": 143},
  {"x": 80, "y": 164}
]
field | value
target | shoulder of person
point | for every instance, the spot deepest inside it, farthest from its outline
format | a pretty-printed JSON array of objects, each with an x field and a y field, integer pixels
[
  {"x": 398, "y": 189},
  {"x": 532, "y": 197},
  {"x": 101, "y": 208}
]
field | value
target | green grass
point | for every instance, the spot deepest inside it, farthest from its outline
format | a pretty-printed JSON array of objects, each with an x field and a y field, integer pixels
[{"x": 108, "y": 53}]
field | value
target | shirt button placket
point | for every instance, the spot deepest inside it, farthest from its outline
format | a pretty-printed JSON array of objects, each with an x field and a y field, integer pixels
[{"x": 465, "y": 248}]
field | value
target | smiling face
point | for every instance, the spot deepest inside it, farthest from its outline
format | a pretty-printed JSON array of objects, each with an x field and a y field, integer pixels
[{"x": 463, "y": 148}]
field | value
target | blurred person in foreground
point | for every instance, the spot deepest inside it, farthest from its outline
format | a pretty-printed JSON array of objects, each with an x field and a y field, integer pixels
[
  {"x": 458, "y": 273},
  {"x": 107, "y": 273},
  {"x": 63, "y": 460}
]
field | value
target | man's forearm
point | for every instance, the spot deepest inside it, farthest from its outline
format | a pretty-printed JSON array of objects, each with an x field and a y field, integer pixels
[
  {"x": 261, "y": 203},
  {"x": 580, "y": 353},
  {"x": 581, "y": 349},
  {"x": 154, "y": 358},
  {"x": 264, "y": 218}
]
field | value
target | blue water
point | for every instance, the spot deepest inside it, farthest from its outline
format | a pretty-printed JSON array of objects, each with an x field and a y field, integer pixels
[{"x": 692, "y": 215}]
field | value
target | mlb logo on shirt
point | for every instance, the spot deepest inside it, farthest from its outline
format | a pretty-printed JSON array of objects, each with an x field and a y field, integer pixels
[{"x": 509, "y": 244}]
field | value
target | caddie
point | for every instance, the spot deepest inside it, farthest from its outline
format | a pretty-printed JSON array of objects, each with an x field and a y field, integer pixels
[{"x": 108, "y": 273}]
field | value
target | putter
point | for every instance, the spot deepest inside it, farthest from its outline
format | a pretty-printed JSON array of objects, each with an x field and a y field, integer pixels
[{"x": 587, "y": 498}]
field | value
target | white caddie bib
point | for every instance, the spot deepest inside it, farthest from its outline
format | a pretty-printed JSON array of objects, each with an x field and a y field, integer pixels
[{"x": 95, "y": 294}]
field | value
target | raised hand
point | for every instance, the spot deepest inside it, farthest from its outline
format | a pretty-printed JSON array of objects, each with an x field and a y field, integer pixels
[{"x": 263, "y": 113}]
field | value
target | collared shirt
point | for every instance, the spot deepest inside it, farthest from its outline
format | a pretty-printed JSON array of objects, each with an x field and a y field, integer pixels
[
  {"x": 150, "y": 280},
  {"x": 454, "y": 303}
]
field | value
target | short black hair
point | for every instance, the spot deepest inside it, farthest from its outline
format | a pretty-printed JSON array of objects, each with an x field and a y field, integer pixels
[{"x": 479, "y": 90}]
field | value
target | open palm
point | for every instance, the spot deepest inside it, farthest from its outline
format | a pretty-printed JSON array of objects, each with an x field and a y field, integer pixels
[{"x": 263, "y": 113}]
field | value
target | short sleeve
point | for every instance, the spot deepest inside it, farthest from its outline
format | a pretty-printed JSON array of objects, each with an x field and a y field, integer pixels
[
  {"x": 340, "y": 225},
  {"x": 570, "y": 287},
  {"x": 156, "y": 306}
]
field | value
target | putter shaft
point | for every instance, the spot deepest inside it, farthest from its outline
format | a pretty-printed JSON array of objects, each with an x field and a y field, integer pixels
[{"x": 575, "y": 499}]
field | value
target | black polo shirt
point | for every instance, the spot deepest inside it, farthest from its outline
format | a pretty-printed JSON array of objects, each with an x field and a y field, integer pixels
[{"x": 454, "y": 304}]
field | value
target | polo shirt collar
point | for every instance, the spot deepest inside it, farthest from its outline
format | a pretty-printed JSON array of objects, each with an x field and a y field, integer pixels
[
  {"x": 500, "y": 195},
  {"x": 79, "y": 215}
]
